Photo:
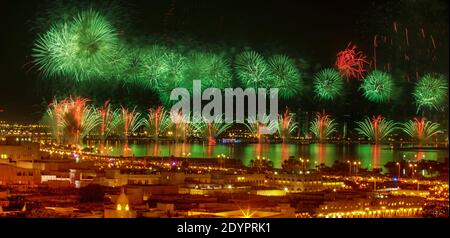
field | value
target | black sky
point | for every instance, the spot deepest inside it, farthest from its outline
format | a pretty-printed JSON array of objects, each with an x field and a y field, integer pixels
[{"x": 317, "y": 29}]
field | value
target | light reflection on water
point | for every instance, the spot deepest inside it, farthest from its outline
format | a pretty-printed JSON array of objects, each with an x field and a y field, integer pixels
[{"x": 370, "y": 156}]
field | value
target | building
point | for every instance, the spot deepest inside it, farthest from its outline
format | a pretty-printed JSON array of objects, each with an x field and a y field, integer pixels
[
  {"x": 18, "y": 150},
  {"x": 302, "y": 182},
  {"x": 121, "y": 209},
  {"x": 371, "y": 208},
  {"x": 19, "y": 177}
]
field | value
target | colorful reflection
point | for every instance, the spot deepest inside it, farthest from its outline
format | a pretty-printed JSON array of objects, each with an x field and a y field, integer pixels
[{"x": 370, "y": 156}]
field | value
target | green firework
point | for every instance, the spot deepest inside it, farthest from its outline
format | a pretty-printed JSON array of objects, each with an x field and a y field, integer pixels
[
  {"x": 133, "y": 67},
  {"x": 328, "y": 84},
  {"x": 285, "y": 76},
  {"x": 110, "y": 120},
  {"x": 130, "y": 122},
  {"x": 252, "y": 70},
  {"x": 211, "y": 129},
  {"x": 212, "y": 69},
  {"x": 83, "y": 47},
  {"x": 376, "y": 129},
  {"x": 378, "y": 87},
  {"x": 255, "y": 125},
  {"x": 71, "y": 119},
  {"x": 421, "y": 129},
  {"x": 158, "y": 121},
  {"x": 171, "y": 75},
  {"x": 286, "y": 125},
  {"x": 431, "y": 92},
  {"x": 155, "y": 64},
  {"x": 322, "y": 126}
]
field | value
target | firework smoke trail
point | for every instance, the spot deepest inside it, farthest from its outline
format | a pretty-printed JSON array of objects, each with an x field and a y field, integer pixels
[
  {"x": 73, "y": 116},
  {"x": 157, "y": 122},
  {"x": 375, "y": 45},
  {"x": 103, "y": 113},
  {"x": 421, "y": 129},
  {"x": 350, "y": 62},
  {"x": 131, "y": 122},
  {"x": 155, "y": 118},
  {"x": 433, "y": 42},
  {"x": 323, "y": 126},
  {"x": 211, "y": 141},
  {"x": 375, "y": 121},
  {"x": 71, "y": 119},
  {"x": 182, "y": 122},
  {"x": 255, "y": 126},
  {"x": 87, "y": 118},
  {"x": 110, "y": 120},
  {"x": 210, "y": 129},
  {"x": 54, "y": 119},
  {"x": 407, "y": 36},
  {"x": 286, "y": 125},
  {"x": 376, "y": 129}
]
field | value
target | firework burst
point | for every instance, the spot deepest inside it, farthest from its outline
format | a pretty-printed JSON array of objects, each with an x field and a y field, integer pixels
[
  {"x": 110, "y": 120},
  {"x": 286, "y": 125},
  {"x": 252, "y": 69},
  {"x": 350, "y": 62},
  {"x": 158, "y": 122},
  {"x": 328, "y": 84},
  {"x": 171, "y": 76},
  {"x": 255, "y": 126},
  {"x": 133, "y": 67},
  {"x": 182, "y": 125},
  {"x": 430, "y": 92},
  {"x": 376, "y": 129},
  {"x": 323, "y": 126},
  {"x": 211, "y": 129},
  {"x": 212, "y": 69},
  {"x": 378, "y": 86},
  {"x": 71, "y": 119},
  {"x": 84, "y": 47},
  {"x": 130, "y": 122},
  {"x": 421, "y": 129},
  {"x": 155, "y": 64},
  {"x": 285, "y": 76}
]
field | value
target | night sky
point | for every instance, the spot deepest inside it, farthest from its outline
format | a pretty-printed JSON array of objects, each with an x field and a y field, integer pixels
[{"x": 317, "y": 30}]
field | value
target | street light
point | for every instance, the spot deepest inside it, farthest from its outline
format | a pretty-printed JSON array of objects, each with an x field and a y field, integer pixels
[{"x": 398, "y": 164}]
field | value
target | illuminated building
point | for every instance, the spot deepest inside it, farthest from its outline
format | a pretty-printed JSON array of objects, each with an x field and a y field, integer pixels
[
  {"x": 19, "y": 177},
  {"x": 121, "y": 208},
  {"x": 18, "y": 150}
]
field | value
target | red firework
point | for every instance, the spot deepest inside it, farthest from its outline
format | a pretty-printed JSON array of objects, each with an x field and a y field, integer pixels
[{"x": 350, "y": 62}]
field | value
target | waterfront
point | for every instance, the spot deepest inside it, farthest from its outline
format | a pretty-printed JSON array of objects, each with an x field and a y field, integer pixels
[{"x": 371, "y": 156}]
